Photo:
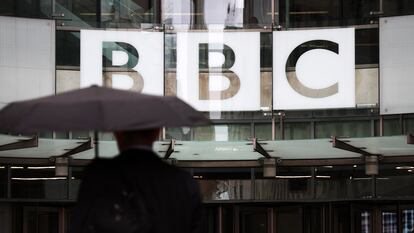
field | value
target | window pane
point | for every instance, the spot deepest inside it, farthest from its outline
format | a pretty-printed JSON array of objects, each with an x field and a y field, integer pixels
[
  {"x": 398, "y": 7},
  {"x": 224, "y": 184},
  {"x": 342, "y": 182},
  {"x": 67, "y": 48},
  {"x": 343, "y": 129},
  {"x": 408, "y": 221},
  {"x": 396, "y": 180},
  {"x": 297, "y": 131},
  {"x": 228, "y": 13},
  {"x": 234, "y": 132},
  {"x": 263, "y": 131},
  {"x": 389, "y": 222},
  {"x": 37, "y": 182},
  {"x": 392, "y": 127},
  {"x": 321, "y": 13},
  {"x": 129, "y": 13},
  {"x": 290, "y": 183},
  {"x": 76, "y": 12}
]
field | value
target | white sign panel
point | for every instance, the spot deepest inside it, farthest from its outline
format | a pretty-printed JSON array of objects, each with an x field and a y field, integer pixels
[
  {"x": 27, "y": 59},
  {"x": 314, "y": 69},
  {"x": 141, "y": 53},
  {"x": 397, "y": 65},
  {"x": 226, "y": 78}
]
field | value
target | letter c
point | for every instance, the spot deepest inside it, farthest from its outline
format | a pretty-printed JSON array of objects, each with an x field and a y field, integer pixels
[{"x": 293, "y": 59}]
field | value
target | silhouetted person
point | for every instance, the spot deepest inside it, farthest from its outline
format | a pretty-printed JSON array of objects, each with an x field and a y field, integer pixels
[{"x": 136, "y": 192}]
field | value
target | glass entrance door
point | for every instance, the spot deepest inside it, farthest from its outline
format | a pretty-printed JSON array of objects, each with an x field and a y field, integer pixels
[
  {"x": 253, "y": 220},
  {"x": 43, "y": 220}
]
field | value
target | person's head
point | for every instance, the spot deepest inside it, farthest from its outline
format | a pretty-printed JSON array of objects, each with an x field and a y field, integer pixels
[{"x": 127, "y": 139}]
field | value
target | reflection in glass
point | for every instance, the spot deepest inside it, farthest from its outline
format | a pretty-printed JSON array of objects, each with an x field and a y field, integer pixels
[
  {"x": 389, "y": 222},
  {"x": 233, "y": 132},
  {"x": 343, "y": 129},
  {"x": 225, "y": 189},
  {"x": 408, "y": 221},
  {"x": 365, "y": 222},
  {"x": 37, "y": 182},
  {"x": 128, "y": 13},
  {"x": 263, "y": 131},
  {"x": 76, "y": 12},
  {"x": 178, "y": 13},
  {"x": 297, "y": 131}
]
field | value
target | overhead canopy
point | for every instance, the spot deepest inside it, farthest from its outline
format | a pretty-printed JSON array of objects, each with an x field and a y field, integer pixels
[{"x": 209, "y": 150}]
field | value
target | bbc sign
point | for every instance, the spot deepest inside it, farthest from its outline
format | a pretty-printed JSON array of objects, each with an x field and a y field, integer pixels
[{"x": 312, "y": 69}]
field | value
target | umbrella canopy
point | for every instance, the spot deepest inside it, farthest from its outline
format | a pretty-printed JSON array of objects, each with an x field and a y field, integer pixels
[{"x": 98, "y": 109}]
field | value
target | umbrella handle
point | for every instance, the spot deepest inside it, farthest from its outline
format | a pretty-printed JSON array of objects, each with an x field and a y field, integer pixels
[{"x": 96, "y": 144}]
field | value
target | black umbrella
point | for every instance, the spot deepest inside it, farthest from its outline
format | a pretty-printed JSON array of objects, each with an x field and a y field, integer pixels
[{"x": 98, "y": 109}]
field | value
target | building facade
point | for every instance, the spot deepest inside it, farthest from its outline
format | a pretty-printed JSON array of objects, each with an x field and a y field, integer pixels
[{"x": 264, "y": 165}]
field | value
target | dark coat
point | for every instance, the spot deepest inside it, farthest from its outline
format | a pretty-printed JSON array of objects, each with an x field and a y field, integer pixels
[{"x": 170, "y": 194}]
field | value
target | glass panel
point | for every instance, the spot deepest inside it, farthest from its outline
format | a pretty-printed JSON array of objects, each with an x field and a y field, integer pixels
[
  {"x": 3, "y": 181},
  {"x": 392, "y": 127},
  {"x": 365, "y": 222},
  {"x": 342, "y": 182},
  {"x": 80, "y": 135},
  {"x": 396, "y": 180},
  {"x": 37, "y": 182},
  {"x": 322, "y": 13},
  {"x": 253, "y": 221},
  {"x": 409, "y": 125},
  {"x": 291, "y": 183},
  {"x": 38, "y": 219},
  {"x": 106, "y": 136},
  {"x": 77, "y": 174},
  {"x": 7, "y": 8},
  {"x": 389, "y": 222},
  {"x": 234, "y": 132},
  {"x": 62, "y": 135},
  {"x": 408, "y": 221},
  {"x": 314, "y": 219},
  {"x": 28, "y": 9},
  {"x": 183, "y": 133},
  {"x": 209, "y": 219},
  {"x": 224, "y": 184},
  {"x": 367, "y": 46},
  {"x": 227, "y": 13},
  {"x": 341, "y": 218},
  {"x": 46, "y": 135},
  {"x": 343, "y": 129},
  {"x": 289, "y": 220},
  {"x": 67, "y": 48},
  {"x": 76, "y": 13},
  {"x": 263, "y": 131},
  {"x": 129, "y": 13},
  {"x": 297, "y": 130},
  {"x": 398, "y": 7}
]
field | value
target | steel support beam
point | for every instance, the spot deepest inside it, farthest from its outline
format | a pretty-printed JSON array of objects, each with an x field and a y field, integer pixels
[
  {"x": 344, "y": 145},
  {"x": 83, "y": 146},
  {"x": 410, "y": 139},
  {"x": 21, "y": 144},
  {"x": 258, "y": 148},
  {"x": 170, "y": 150}
]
